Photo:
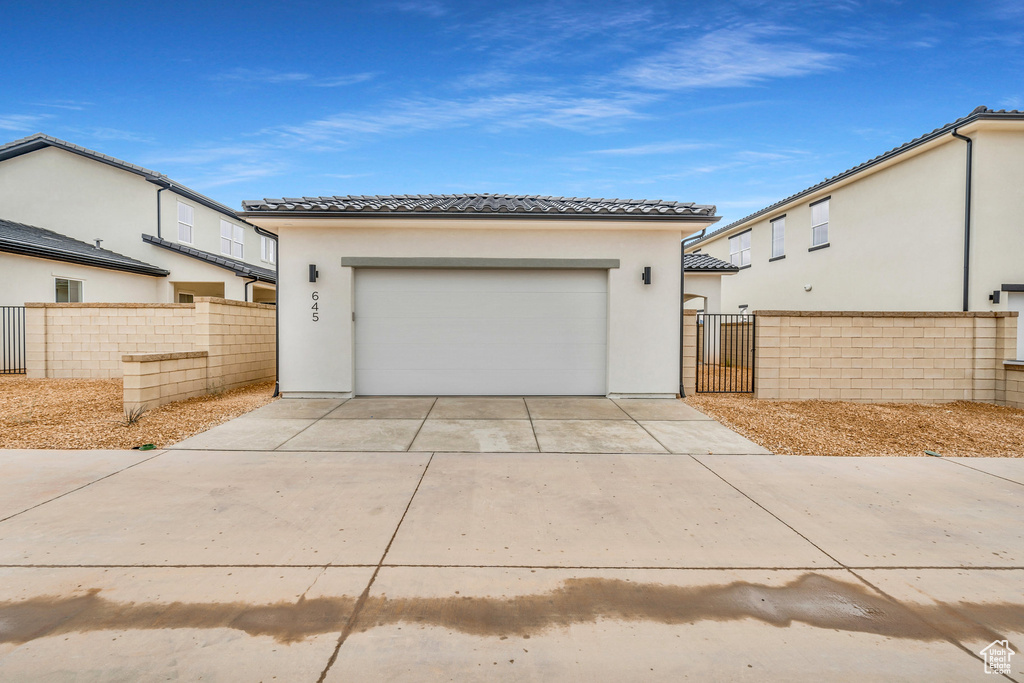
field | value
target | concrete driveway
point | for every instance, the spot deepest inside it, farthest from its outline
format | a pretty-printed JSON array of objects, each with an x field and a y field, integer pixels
[
  {"x": 476, "y": 425},
  {"x": 260, "y": 565}
]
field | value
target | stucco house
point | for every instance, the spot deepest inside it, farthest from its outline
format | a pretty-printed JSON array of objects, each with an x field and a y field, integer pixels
[
  {"x": 78, "y": 225},
  {"x": 936, "y": 224},
  {"x": 479, "y": 294}
]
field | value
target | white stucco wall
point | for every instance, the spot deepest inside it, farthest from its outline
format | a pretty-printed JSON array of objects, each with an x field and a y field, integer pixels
[
  {"x": 26, "y": 279},
  {"x": 997, "y": 231},
  {"x": 897, "y": 234},
  {"x": 704, "y": 291},
  {"x": 316, "y": 357},
  {"x": 896, "y": 243},
  {"x": 75, "y": 196}
]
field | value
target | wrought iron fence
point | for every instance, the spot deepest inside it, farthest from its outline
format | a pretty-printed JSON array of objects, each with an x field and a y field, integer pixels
[
  {"x": 725, "y": 353},
  {"x": 12, "y": 340}
]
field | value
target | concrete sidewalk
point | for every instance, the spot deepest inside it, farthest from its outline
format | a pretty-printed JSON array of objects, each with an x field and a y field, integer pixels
[{"x": 306, "y": 566}]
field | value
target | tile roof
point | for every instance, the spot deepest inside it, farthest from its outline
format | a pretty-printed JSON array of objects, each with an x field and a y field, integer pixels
[
  {"x": 979, "y": 113},
  {"x": 475, "y": 204},
  {"x": 240, "y": 268},
  {"x": 697, "y": 263},
  {"x": 29, "y": 240},
  {"x": 41, "y": 140}
]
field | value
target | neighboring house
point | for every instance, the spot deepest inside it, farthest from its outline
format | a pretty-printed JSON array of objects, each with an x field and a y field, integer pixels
[
  {"x": 702, "y": 281},
  {"x": 479, "y": 294},
  {"x": 62, "y": 195},
  {"x": 895, "y": 233},
  {"x": 26, "y": 252}
]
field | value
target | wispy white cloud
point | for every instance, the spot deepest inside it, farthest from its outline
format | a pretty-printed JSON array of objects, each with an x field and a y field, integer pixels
[
  {"x": 653, "y": 148},
  {"x": 22, "y": 122},
  {"x": 729, "y": 57},
  {"x": 104, "y": 133},
  {"x": 347, "y": 176},
  {"x": 64, "y": 104},
  {"x": 431, "y": 8},
  {"x": 498, "y": 112},
  {"x": 229, "y": 174},
  {"x": 1012, "y": 102},
  {"x": 271, "y": 77}
]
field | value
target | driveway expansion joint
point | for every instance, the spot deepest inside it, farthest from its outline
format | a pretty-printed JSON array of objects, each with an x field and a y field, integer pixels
[
  {"x": 361, "y": 602},
  {"x": 86, "y": 485}
]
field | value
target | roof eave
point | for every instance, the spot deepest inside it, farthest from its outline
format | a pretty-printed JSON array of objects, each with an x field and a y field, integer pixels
[
  {"x": 35, "y": 144},
  {"x": 22, "y": 249},
  {"x": 478, "y": 215},
  {"x": 860, "y": 168}
]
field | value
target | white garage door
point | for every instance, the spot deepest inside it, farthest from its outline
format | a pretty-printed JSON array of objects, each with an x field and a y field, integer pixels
[{"x": 480, "y": 332}]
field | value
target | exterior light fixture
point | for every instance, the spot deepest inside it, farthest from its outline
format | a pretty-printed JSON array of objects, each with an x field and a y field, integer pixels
[
  {"x": 994, "y": 297},
  {"x": 645, "y": 276},
  {"x": 313, "y": 272}
]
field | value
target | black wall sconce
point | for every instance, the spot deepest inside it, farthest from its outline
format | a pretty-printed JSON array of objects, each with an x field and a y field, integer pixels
[
  {"x": 645, "y": 276},
  {"x": 313, "y": 273},
  {"x": 994, "y": 297}
]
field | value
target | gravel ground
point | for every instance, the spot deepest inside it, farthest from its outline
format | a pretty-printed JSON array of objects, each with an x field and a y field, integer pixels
[
  {"x": 962, "y": 428},
  {"x": 88, "y": 413}
]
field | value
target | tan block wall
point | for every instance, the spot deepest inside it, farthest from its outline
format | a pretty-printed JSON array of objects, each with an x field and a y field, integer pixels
[
  {"x": 153, "y": 379},
  {"x": 240, "y": 339},
  {"x": 884, "y": 356},
  {"x": 689, "y": 352},
  {"x": 88, "y": 340},
  {"x": 1012, "y": 390}
]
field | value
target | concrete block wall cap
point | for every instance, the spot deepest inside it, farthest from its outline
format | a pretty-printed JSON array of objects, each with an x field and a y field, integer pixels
[
  {"x": 232, "y": 302},
  {"x": 153, "y": 357},
  {"x": 105, "y": 305},
  {"x": 888, "y": 314}
]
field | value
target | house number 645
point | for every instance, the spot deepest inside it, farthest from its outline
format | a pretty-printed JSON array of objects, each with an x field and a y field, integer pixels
[{"x": 316, "y": 306}]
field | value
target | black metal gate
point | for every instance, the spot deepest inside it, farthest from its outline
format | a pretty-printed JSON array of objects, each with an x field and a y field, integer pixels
[
  {"x": 725, "y": 353},
  {"x": 12, "y": 340}
]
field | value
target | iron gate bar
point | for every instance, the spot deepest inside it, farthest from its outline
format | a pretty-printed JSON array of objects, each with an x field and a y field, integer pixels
[
  {"x": 12, "y": 340},
  {"x": 726, "y": 354}
]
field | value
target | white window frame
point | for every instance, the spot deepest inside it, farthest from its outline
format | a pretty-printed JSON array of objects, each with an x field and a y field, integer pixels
[
  {"x": 819, "y": 230},
  {"x": 778, "y": 236},
  {"x": 186, "y": 226},
  {"x": 179, "y": 295},
  {"x": 69, "y": 280},
  {"x": 233, "y": 244},
  {"x": 268, "y": 250},
  {"x": 739, "y": 249}
]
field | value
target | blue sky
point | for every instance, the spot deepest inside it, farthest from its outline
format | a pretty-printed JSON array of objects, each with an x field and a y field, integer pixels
[{"x": 736, "y": 104}]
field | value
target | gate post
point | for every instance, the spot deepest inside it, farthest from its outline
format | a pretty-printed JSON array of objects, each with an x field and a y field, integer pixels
[{"x": 688, "y": 380}]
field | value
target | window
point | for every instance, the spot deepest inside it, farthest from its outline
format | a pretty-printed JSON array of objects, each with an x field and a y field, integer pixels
[
  {"x": 819, "y": 223},
  {"x": 268, "y": 249},
  {"x": 232, "y": 239},
  {"x": 739, "y": 249},
  {"x": 779, "y": 237},
  {"x": 186, "y": 298},
  {"x": 185, "y": 223},
  {"x": 67, "y": 291}
]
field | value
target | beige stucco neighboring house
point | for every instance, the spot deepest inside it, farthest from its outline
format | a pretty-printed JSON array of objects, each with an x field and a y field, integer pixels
[
  {"x": 479, "y": 294},
  {"x": 56, "y": 196},
  {"x": 936, "y": 224}
]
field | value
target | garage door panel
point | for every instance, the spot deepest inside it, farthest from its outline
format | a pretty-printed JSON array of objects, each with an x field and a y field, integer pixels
[
  {"x": 415, "y": 280},
  {"x": 492, "y": 330},
  {"x": 476, "y": 332},
  {"x": 451, "y": 357},
  {"x": 498, "y": 383},
  {"x": 427, "y": 304}
]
